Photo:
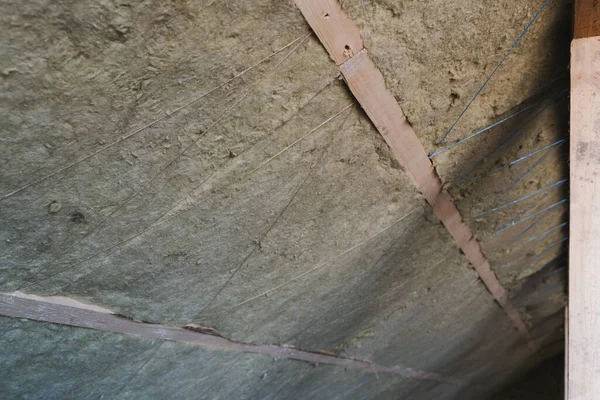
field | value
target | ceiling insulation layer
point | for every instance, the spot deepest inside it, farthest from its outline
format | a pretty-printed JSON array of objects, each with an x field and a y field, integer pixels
[{"x": 202, "y": 163}]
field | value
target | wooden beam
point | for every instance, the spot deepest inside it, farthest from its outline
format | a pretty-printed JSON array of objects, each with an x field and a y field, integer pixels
[
  {"x": 583, "y": 341},
  {"x": 341, "y": 38},
  {"x": 587, "y": 19}
]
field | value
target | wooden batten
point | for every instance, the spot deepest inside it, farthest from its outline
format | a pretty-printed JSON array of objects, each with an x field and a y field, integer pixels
[{"x": 342, "y": 40}]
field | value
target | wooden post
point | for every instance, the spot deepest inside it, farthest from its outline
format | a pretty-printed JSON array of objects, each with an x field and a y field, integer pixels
[
  {"x": 583, "y": 341},
  {"x": 566, "y": 364}
]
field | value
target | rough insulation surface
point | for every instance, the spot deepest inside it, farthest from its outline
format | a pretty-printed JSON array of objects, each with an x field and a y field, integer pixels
[{"x": 234, "y": 213}]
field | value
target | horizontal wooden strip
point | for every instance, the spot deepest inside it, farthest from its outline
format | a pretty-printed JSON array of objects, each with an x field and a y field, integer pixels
[
  {"x": 368, "y": 86},
  {"x": 37, "y": 309}
]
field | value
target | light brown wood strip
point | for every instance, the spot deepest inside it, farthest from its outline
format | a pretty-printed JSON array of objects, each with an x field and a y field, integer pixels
[
  {"x": 50, "y": 311},
  {"x": 333, "y": 27},
  {"x": 584, "y": 226},
  {"x": 368, "y": 86}
]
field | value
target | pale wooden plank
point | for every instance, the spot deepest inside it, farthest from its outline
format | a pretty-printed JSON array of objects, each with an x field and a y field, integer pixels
[
  {"x": 368, "y": 86},
  {"x": 566, "y": 394},
  {"x": 584, "y": 227}
]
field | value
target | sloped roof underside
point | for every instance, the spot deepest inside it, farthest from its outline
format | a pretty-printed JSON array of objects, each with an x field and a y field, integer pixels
[{"x": 195, "y": 162}]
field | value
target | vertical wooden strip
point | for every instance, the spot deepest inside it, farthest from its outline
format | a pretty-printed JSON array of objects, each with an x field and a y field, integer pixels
[
  {"x": 584, "y": 228},
  {"x": 566, "y": 394},
  {"x": 368, "y": 86}
]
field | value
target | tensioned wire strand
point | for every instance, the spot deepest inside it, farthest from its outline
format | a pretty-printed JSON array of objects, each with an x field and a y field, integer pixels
[{"x": 489, "y": 78}]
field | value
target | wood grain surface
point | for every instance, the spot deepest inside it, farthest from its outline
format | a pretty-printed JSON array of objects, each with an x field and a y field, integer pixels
[
  {"x": 587, "y": 19},
  {"x": 584, "y": 227}
]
